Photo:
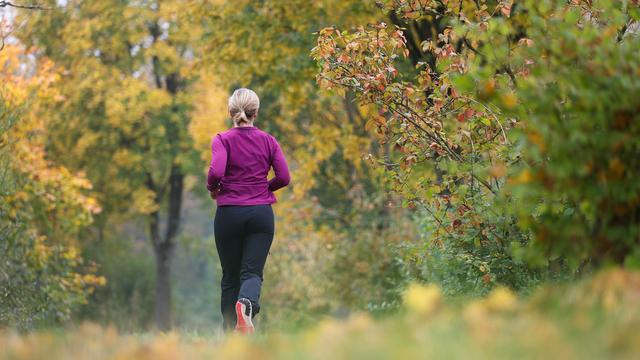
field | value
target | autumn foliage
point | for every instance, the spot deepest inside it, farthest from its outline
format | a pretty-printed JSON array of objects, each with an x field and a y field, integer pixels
[
  {"x": 514, "y": 130},
  {"x": 43, "y": 208},
  {"x": 478, "y": 150}
]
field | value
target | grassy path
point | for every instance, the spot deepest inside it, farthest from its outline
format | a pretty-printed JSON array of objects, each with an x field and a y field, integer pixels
[{"x": 594, "y": 319}]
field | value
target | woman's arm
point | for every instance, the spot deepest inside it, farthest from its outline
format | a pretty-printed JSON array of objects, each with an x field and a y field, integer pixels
[
  {"x": 280, "y": 168},
  {"x": 218, "y": 164}
]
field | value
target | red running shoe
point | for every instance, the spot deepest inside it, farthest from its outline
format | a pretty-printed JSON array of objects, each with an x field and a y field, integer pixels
[{"x": 244, "y": 312}]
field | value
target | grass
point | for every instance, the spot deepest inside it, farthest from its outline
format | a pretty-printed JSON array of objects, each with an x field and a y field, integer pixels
[{"x": 596, "y": 318}]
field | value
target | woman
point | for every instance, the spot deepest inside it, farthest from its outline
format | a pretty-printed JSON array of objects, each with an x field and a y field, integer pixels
[{"x": 244, "y": 221}]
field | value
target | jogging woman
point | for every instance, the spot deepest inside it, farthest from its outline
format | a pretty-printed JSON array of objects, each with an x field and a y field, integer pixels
[{"x": 244, "y": 222}]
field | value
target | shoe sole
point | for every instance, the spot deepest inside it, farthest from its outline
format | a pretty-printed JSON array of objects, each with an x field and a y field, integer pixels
[{"x": 244, "y": 323}]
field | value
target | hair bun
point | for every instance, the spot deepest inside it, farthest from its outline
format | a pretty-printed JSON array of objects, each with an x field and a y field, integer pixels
[{"x": 243, "y": 105}]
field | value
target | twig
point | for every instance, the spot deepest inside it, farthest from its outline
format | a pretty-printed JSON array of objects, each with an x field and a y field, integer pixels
[
  {"x": 18, "y": 6},
  {"x": 504, "y": 134},
  {"x": 435, "y": 217},
  {"x": 468, "y": 44}
]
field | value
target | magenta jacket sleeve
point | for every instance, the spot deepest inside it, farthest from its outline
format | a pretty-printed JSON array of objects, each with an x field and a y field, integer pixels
[
  {"x": 280, "y": 168},
  {"x": 218, "y": 163}
]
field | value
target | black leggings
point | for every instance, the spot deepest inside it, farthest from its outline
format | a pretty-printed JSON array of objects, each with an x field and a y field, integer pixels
[{"x": 243, "y": 238}]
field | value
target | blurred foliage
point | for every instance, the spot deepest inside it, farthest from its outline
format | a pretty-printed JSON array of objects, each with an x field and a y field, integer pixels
[
  {"x": 594, "y": 319},
  {"x": 43, "y": 208},
  {"x": 450, "y": 150},
  {"x": 577, "y": 189},
  {"x": 477, "y": 145},
  {"x": 359, "y": 270},
  {"x": 118, "y": 97},
  {"x": 468, "y": 123},
  {"x": 119, "y": 119},
  {"x": 123, "y": 113},
  {"x": 126, "y": 301}
]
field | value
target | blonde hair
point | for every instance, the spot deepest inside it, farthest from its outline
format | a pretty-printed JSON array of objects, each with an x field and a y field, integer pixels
[{"x": 243, "y": 106}]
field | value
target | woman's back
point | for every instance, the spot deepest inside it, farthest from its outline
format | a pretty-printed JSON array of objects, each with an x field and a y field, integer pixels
[{"x": 240, "y": 163}]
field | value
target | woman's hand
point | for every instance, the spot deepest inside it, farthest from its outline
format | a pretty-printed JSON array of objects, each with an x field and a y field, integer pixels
[{"x": 214, "y": 193}]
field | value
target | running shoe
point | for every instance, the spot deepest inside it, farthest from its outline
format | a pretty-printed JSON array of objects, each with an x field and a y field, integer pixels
[{"x": 244, "y": 312}]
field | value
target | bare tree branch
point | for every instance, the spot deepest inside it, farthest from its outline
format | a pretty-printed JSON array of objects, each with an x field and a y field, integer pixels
[
  {"x": 4, "y": 4},
  {"x": 3, "y": 35},
  {"x": 18, "y": 6}
]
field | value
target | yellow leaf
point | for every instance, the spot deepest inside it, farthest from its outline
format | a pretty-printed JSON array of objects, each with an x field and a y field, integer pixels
[{"x": 421, "y": 299}]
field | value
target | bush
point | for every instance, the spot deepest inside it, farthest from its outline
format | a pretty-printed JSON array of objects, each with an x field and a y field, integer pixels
[
  {"x": 578, "y": 188},
  {"x": 517, "y": 132},
  {"x": 43, "y": 207},
  {"x": 127, "y": 299}
]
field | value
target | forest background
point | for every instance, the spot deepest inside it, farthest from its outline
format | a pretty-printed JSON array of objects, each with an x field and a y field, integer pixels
[{"x": 476, "y": 145}]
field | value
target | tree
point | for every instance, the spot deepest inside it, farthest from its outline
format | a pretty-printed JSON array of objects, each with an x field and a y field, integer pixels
[
  {"x": 451, "y": 150},
  {"x": 123, "y": 112},
  {"x": 578, "y": 187},
  {"x": 465, "y": 128},
  {"x": 43, "y": 206}
]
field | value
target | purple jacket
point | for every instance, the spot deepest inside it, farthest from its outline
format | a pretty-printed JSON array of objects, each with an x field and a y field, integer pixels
[{"x": 240, "y": 162}]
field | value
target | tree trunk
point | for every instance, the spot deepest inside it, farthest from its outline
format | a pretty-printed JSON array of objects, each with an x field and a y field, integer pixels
[
  {"x": 163, "y": 287},
  {"x": 163, "y": 248},
  {"x": 172, "y": 83}
]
